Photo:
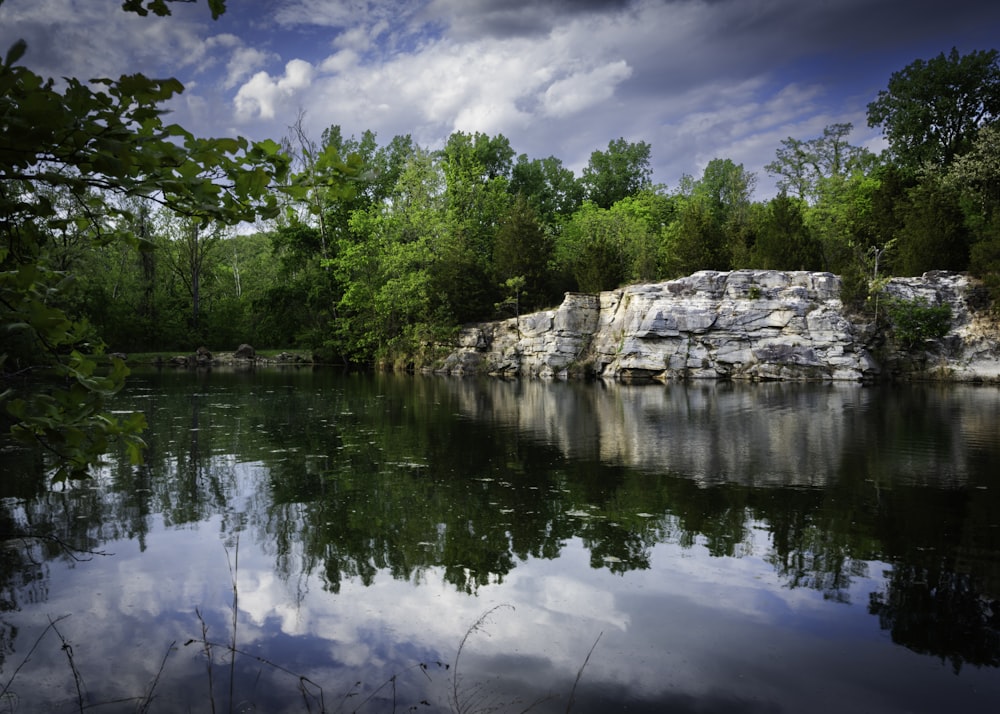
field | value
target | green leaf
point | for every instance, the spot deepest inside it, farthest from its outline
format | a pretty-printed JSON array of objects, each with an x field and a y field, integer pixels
[
  {"x": 269, "y": 147},
  {"x": 15, "y": 52},
  {"x": 218, "y": 8}
]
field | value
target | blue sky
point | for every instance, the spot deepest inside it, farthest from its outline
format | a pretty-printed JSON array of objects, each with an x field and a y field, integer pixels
[{"x": 696, "y": 79}]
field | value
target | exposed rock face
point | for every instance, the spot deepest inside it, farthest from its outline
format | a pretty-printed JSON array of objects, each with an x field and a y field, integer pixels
[{"x": 745, "y": 324}]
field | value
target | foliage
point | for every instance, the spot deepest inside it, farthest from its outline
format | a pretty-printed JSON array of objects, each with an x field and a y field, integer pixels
[
  {"x": 783, "y": 242},
  {"x": 477, "y": 174},
  {"x": 623, "y": 170},
  {"x": 379, "y": 249},
  {"x": 644, "y": 217},
  {"x": 841, "y": 220},
  {"x": 70, "y": 160},
  {"x": 932, "y": 110},
  {"x": 801, "y": 165},
  {"x": 391, "y": 269},
  {"x": 161, "y": 8},
  {"x": 711, "y": 220},
  {"x": 696, "y": 240},
  {"x": 727, "y": 188},
  {"x": 522, "y": 252},
  {"x": 855, "y": 289},
  {"x": 977, "y": 175},
  {"x": 933, "y": 234},
  {"x": 985, "y": 263},
  {"x": 551, "y": 189},
  {"x": 590, "y": 249},
  {"x": 914, "y": 322},
  {"x": 604, "y": 248},
  {"x": 975, "y": 178}
]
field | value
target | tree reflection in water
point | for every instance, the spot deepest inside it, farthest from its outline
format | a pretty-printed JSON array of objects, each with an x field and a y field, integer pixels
[{"x": 408, "y": 476}]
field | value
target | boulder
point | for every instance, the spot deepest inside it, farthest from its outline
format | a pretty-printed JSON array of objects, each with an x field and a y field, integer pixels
[{"x": 244, "y": 351}]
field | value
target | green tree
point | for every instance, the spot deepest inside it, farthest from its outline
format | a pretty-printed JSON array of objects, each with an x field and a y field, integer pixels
[
  {"x": 696, "y": 240},
  {"x": 523, "y": 250},
  {"x": 298, "y": 306},
  {"x": 97, "y": 143},
  {"x": 840, "y": 220},
  {"x": 324, "y": 185},
  {"x": 335, "y": 178},
  {"x": 783, "y": 242},
  {"x": 391, "y": 269},
  {"x": 623, "y": 170},
  {"x": 802, "y": 165},
  {"x": 551, "y": 189},
  {"x": 713, "y": 219},
  {"x": 477, "y": 176},
  {"x": 590, "y": 249},
  {"x": 342, "y": 174},
  {"x": 932, "y": 110},
  {"x": 641, "y": 221},
  {"x": 975, "y": 176},
  {"x": 129, "y": 291},
  {"x": 193, "y": 254},
  {"x": 933, "y": 235},
  {"x": 603, "y": 248},
  {"x": 728, "y": 188}
]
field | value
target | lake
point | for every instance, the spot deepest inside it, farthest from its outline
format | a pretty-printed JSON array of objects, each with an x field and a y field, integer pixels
[{"x": 390, "y": 543}]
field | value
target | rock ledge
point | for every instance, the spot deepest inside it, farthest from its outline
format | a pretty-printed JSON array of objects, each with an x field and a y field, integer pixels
[{"x": 744, "y": 324}]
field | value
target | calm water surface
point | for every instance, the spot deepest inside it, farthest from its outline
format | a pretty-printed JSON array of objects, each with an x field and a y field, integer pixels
[{"x": 679, "y": 548}]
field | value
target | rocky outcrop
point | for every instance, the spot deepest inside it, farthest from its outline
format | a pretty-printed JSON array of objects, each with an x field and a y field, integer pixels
[
  {"x": 745, "y": 324},
  {"x": 245, "y": 357}
]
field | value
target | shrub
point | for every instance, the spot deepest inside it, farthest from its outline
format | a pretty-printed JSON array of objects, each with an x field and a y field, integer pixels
[
  {"x": 855, "y": 290},
  {"x": 915, "y": 321}
]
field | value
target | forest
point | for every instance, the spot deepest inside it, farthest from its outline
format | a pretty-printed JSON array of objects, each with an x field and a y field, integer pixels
[
  {"x": 122, "y": 233},
  {"x": 380, "y": 248}
]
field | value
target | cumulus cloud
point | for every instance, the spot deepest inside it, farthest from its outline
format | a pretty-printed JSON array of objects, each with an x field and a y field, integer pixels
[
  {"x": 340, "y": 62},
  {"x": 584, "y": 89},
  {"x": 262, "y": 94},
  {"x": 673, "y": 74},
  {"x": 696, "y": 79},
  {"x": 96, "y": 39},
  {"x": 242, "y": 62}
]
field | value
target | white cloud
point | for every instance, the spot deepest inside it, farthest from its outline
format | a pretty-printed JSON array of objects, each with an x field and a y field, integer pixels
[
  {"x": 695, "y": 79},
  {"x": 242, "y": 62},
  {"x": 340, "y": 62},
  {"x": 96, "y": 39},
  {"x": 262, "y": 94},
  {"x": 323, "y": 13},
  {"x": 362, "y": 37},
  {"x": 584, "y": 89}
]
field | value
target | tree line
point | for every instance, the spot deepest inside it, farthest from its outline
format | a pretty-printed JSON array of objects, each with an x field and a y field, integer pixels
[
  {"x": 121, "y": 232},
  {"x": 380, "y": 249}
]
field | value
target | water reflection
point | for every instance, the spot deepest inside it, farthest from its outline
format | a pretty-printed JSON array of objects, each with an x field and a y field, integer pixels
[{"x": 703, "y": 528}]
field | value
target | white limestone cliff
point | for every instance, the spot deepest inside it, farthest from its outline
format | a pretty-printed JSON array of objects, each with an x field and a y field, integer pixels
[{"x": 744, "y": 324}]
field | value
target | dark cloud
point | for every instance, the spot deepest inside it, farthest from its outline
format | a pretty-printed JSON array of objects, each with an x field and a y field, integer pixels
[
  {"x": 517, "y": 18},
  {"x": 698, "y": 79}
]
